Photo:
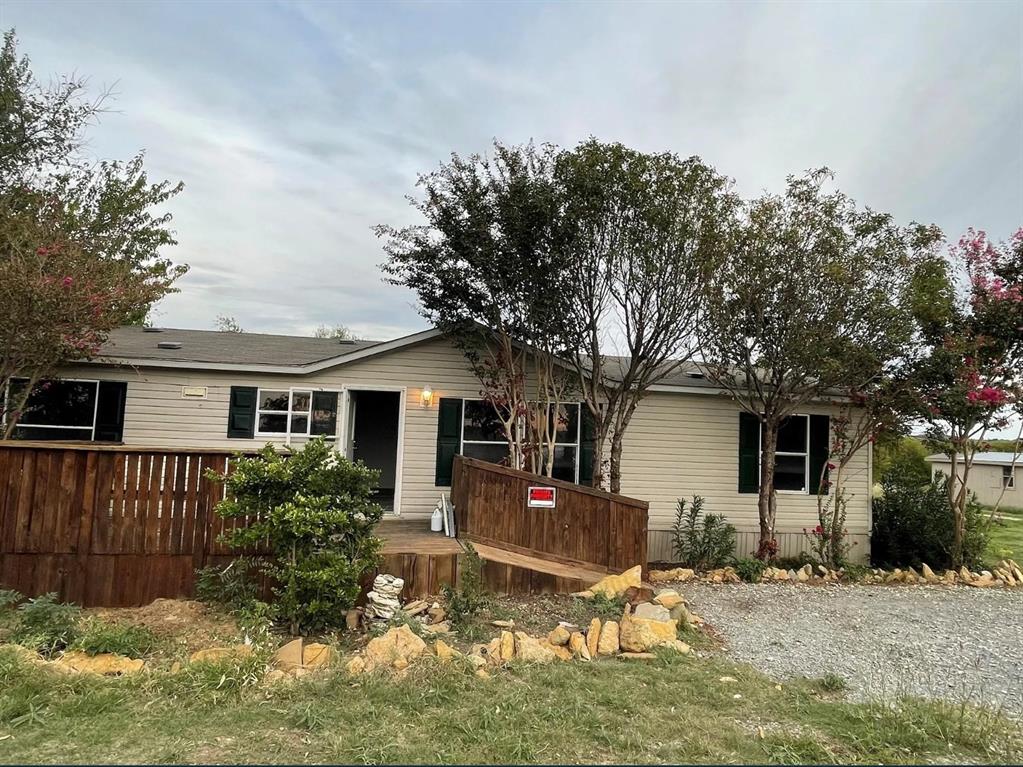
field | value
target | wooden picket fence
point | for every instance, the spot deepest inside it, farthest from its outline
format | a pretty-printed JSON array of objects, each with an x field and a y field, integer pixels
[{"x": 108, "y": 525}]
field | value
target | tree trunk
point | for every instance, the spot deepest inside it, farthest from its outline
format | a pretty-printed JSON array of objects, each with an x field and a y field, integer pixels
[
  {"x": 597, "y": 480},
  {"x": 767, "y": 501},
  {"x": 616, "y": 462}
]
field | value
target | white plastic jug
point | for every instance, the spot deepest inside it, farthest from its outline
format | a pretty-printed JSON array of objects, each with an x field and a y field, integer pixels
[{"x": 436, "y": 520}]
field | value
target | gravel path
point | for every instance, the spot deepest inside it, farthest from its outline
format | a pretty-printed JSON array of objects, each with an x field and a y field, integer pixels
[{"x": 951, "y": 643}]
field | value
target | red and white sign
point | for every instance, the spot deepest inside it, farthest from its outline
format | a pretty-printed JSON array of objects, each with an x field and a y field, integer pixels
[{"x": 541, "y": 497}]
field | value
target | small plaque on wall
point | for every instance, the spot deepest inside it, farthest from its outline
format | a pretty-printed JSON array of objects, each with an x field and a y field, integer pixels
[{"x": 193, "y": 392}]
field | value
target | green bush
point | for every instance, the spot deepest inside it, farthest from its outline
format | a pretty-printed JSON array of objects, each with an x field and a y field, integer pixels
[
  {"x": 701, "y": 542},
  {"x": 913, "y": 524},
  {"x": 750, "y": 569},
  {"x": 465, "y": 601},
  {"x": 802, "y": 559},
  {"x": 97, "y": 636},
  {"x": 313, "y": 509},
  {"x": 45, "y": 625},
  {"x": 231, "y": 585}
]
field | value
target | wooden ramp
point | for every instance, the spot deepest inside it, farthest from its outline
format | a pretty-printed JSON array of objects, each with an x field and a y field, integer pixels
[{"x": 508, "y": 572}]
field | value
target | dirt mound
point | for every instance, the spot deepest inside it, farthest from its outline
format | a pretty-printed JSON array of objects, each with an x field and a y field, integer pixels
[{"x": 186, "y": 624}]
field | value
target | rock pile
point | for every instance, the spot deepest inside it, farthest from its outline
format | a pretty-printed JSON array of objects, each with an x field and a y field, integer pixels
[
  {"x": 382, "y": 601},
  {"x": 645, "y": 625}
]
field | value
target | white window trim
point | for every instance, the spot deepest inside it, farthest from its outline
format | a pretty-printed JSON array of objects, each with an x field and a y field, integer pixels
[
  {"x": 462, "y": 441},
  {"x": 806, "y": 457},
  {"x": 1009, "y": 477},
  {"x": 288, "y": 433},
  {"x": 95, "y": 407}
]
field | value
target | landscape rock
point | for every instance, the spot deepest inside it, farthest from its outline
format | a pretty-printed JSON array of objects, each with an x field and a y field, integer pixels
[
  {"x": 289, "y": 656},
  {"x": 445, "y": 652},
  {"x": 444, "y": 627},
  {"x": 642, "y": 634},
  {"x": 356, "y": 665},
  {"x": 503, "y": 624},
  {"x": 638, "y": 656},
  {"x": 616, "y": 585},
  {"x": 577, "y": 644},
  {"x": 928, "y": 574},
  {"x": 965, "y": 575},
  {"x": 650, "y": 611},
  {"x": 681, "y": 615},
  {"x": 559, "y": 636},
  {"x": 398, "y": 645},
  {"x": 106, "y": 664},
  {"x": 316, "y": 655},
  {"x": 437, "y": 614},
  {"x": 531, "y": 650},
  {"x": 560, "y": 651},
  {"x": 608, "y": 643},
  {"x": 668, "y": 598},
  {"x": 593, "y": 637},
  {"x": 507, "y": 647},
  {"x": 681, "y": 574}
]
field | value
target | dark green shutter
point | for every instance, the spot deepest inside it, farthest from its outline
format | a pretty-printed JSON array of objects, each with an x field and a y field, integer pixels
[
  {"x": 749, "y": 453},
  {"x": 820, "y": 449},
  {"x": 241, "y": 418},
  {"x": 449, "y": 438},
  {"x": 110, "y": 411},
  {"x": 587, "y": 442}
]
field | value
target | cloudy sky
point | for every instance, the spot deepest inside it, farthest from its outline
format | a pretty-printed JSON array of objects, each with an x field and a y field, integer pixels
[{"x": 297, "y": 126}]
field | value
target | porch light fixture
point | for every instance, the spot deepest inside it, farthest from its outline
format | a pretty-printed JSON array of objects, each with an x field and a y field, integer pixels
[{"x": 426, "y": 398}]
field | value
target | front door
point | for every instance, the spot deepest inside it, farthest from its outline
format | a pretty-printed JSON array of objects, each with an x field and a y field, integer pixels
[{"x": 372, "y": 437}]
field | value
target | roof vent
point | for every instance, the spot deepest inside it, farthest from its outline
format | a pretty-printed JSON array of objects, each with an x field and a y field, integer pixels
[
  {"x": 169, "y": 345},
  {"x": 152, "y": 330},
  {"x": 694, "y": 374},
  {"x": 346, "y": 341}
]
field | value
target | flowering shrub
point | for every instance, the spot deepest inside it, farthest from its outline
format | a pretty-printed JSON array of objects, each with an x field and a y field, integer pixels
[
  {"x": 701, "y": 542},
  {"x": 313, "y": 509}
]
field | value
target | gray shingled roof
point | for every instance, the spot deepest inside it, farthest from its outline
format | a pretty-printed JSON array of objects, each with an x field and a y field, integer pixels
[
  {"x": 688, "y": 374},
  {"x": 1002, "y": 459},
  {"x": 214, "y": 346}
]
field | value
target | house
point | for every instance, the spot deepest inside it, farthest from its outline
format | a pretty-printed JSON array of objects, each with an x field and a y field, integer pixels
[
  {"x": 993, "y": 476},
  {"x": 406, "y": 407}
]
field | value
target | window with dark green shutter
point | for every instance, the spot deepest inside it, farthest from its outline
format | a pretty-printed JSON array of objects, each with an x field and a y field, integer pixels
[
  {"x": 69, "y": 409},
  {"x": 241, "y": 415},
  {"x": 449, "y": 438},
  {"x": 801, "y": 453}
]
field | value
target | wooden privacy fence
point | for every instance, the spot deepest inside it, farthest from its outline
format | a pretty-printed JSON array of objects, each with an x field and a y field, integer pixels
[
  {"x": 587, "y": 528},
  {"x": 108, "y": 525}
]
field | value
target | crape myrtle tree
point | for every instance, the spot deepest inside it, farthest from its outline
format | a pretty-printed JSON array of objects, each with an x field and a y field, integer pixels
[
  {"x": 812, "y": 299},
  {"x": 647, "y": 231},
  {"x": 79, "y": 240},
  {"x": 488, "y": 269},
  {"x": 968, "y": 381}
]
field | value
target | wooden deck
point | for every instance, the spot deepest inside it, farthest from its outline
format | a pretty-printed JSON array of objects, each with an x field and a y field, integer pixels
[{"x": 425, "y": 560}]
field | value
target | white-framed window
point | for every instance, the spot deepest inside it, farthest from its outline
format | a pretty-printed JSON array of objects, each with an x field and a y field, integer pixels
[
  {"x": 1008, "y": 478},
  {"x": 483, "y": 437},
  {"x": 296, "y": 412},
  {"x": 792, "y": 455},
  {"x": 63, "y": 409}
]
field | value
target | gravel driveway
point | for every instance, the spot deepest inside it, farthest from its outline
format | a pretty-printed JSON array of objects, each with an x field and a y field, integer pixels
[{"x": 952, "y": 643}]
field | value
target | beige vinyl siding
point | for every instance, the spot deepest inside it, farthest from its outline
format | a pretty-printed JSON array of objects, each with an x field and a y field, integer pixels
[
  {"x": 679, "y": 445},
  {"x": 986, "y": 481},
  {"x": 156, "y": 414}
]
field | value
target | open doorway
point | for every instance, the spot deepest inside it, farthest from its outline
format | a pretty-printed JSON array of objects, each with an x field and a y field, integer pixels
[{"x": 372, "y": 437}]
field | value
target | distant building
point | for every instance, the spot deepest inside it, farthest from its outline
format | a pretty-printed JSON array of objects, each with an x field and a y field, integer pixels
[{"x": 990, "y": 474}]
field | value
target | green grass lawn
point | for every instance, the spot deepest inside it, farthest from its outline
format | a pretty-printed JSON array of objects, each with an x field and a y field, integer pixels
[
  {"x": 675, "y": 709},
  {"x": 1005, "y": 538}
]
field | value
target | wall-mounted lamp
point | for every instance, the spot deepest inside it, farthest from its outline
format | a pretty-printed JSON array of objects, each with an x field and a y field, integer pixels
[{"x": 426, "y": 398}]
